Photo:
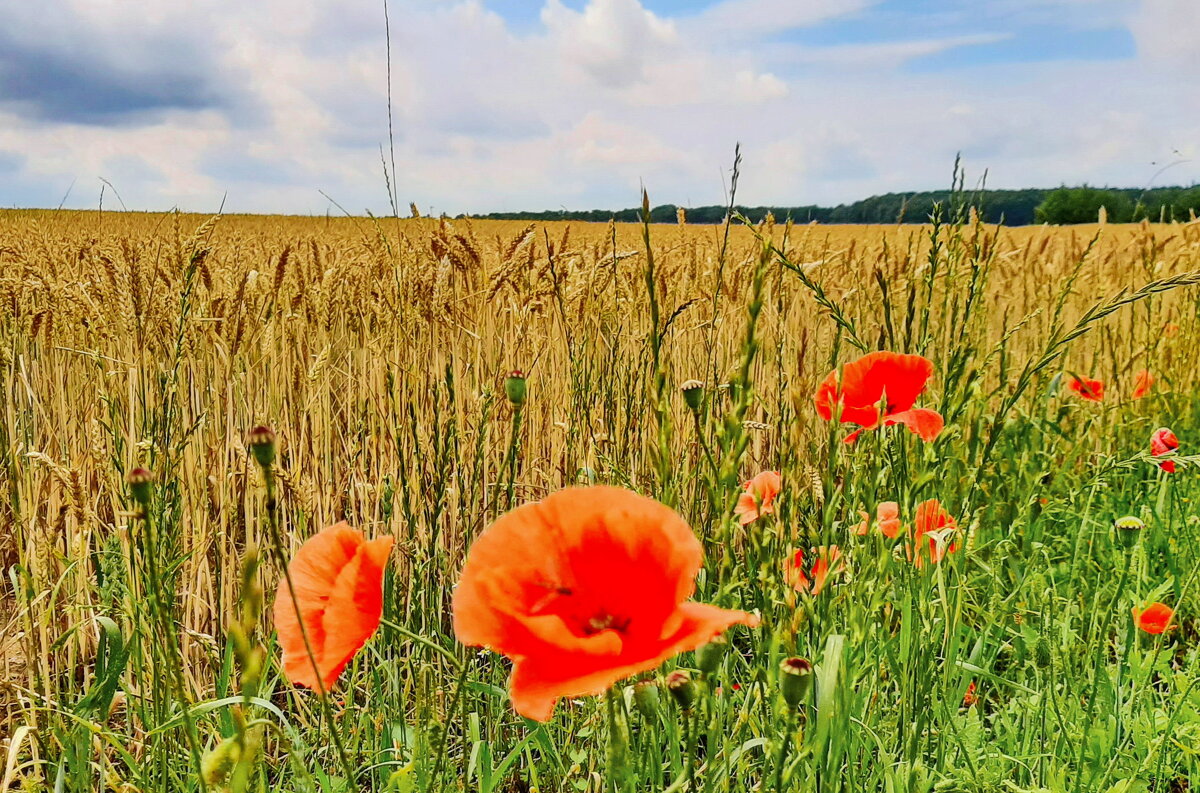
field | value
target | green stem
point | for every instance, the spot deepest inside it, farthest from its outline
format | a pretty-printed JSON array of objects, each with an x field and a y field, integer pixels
[
  {"x": 783, "y": 750},
  {"x": 272, "y": 506}
]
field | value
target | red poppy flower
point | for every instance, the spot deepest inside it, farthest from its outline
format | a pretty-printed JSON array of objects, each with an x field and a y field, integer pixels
[
  {"x": 932, "y": 522},
  {"x": 1087, "y": 388},
  {"x": 970, "y": 698},
  {"x": 812, "y": 578},
  {"x": 1142, "y": 382},
  {"x": 338, "y": 578},
  {"x": 1155, "y": 619},
  {"x": 759, "y": 497},
  {"x": 1164, "y": 442},
  {"x": 864, "y": 385},
  {"x": 887, "y": 518},
  {"x": 583, "y": 589}
]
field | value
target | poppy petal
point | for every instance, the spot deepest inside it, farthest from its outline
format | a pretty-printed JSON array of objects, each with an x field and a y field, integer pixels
[
  {"x": 927, "y": 424},
  {"x": 1142, "y": 382},
  {"x": 539, "y": 681},
  {"x": 338, "y": 581},
  {"x": 640, "y": 554}
]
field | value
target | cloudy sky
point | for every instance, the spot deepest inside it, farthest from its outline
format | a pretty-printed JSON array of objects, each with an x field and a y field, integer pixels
[{"x": 532, "y": 104}]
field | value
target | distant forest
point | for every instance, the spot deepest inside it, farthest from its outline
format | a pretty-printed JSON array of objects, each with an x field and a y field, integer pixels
[{"x": 1012, "y": 207}]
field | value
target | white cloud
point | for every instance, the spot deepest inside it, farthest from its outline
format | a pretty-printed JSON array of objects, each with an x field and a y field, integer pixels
[
  {"x": 281, "y": 98},
  {"x": 1168, "y": 33}
]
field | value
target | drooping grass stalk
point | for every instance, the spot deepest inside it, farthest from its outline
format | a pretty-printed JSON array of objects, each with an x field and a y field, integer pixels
[{"x": 262, "y": 442}]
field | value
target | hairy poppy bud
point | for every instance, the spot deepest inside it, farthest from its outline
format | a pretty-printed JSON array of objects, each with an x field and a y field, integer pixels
[
  {"x": 645, "y": 698},
  {"x": 217, "y": 764},
  {"x": 680, "y": 684},
  {"x": 693, "y": 394},
  {"x": 141, "y": 485},
  {"x": 795, "y": 681},
  {"x": 1128, "y": 529},
  {"x": 515, "y": 388},
  {"x": 1041, "y": 652},
  {"x": 262, "y": 445},
  {"x": 708, "y": 656}
]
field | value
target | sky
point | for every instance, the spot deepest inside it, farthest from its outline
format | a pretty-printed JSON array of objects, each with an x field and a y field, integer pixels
[{"x": 283, "y": 105}]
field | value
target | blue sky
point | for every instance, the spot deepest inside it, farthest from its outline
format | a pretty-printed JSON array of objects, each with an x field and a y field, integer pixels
[{"x": 509, "y": 104}]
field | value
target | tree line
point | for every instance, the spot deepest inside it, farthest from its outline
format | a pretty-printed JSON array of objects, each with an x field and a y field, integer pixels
[{"x": 1061, "y": 205}]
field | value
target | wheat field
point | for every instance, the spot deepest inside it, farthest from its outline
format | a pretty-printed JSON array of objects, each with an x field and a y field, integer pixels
[{"x": 377, "y": 350}]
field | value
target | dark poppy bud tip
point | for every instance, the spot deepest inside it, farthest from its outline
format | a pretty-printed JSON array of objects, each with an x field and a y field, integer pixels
[
  {"x": 795, "y": 680},
  {"x": 708, "y": 656},
  {"x": 1128, "y": 530},
  {"x": 645, "y": 698},
  {"x": 680, "y": 684},
  {"x": 141, "y": 485},
  {"x": 262, "y": 445},
  {"x": 693, "y": 394},
  {"x": 515, "y": 387}
]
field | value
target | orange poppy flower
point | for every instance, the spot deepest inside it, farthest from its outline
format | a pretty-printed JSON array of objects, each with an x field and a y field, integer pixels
[
  {"x": 934, "y": 523},
  {"x": 1087, "y": 388},
  {"x": 887, "y": 518},
  {"x": 811, "y": 579},
  {"x": 970, "y": 698},
  {"x": 1142, "y": 381},
  {"x": 865, "y": 384},
  {"x": 1162, "y": 443},
  {"x": 582, "y": 589},
  {"x": 759, "y": 497},
  {"x": 1155, "y": 619},
  {"x": 338, "y": 578}
]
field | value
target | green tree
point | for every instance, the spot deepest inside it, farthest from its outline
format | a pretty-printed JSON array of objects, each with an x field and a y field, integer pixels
[{"x": 1082, "y": 205}]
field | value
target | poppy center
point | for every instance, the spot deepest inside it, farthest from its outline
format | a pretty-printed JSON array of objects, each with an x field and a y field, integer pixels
[{"x": 604, "y": 621}]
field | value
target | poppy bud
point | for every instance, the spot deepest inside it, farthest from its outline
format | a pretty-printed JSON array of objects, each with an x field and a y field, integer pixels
[
  {"x": 645, "y": 698},
  {"x": 1128, "y": 530},
  {"x": 709, "y": 656},
  {"x": 693, "y": 394},
  {"x": 1041, "y": 652},
  {"x": 680, "y": 684},
  {"x": 262, "y": 445},
  {"x": 795, "y": 681},
  {"x": 218, "y": 762},
  {"x": 515, "y": 388},
  {"x": 141, "y": 485}
]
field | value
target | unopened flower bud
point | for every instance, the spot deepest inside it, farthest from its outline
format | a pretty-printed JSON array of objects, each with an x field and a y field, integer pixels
[
  {"x": 795, "y": 680},
  {"x": 1128, "y": 530},
  {"x": 645, "y": 698},
  {"x": 218, "y": 763},
  {"x": 709, "y": 656},
  {"x": 515, "y": 387},
  {"x": 141, "y": 485},
  {"x": 693, "y": 394},
  {"x": 1041, "y": 652},
  {"x": 680, "y": 684},
  {"x": 262, "y": 445}
]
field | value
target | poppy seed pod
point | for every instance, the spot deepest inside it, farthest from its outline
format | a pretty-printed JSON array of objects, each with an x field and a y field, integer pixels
[
  {"x": 1128, "y": 530},
  {"x": 645, "y": 698},
  {"x": 680, "y": 684},
  {"x": 708, "y": 656},
  {"x": 693, "y": 394},
  {"x": 515, "y": 388},
  {"x": 141, "y": 485},
  {"x": 262, "y": 445},
  {"x": 795, "y": 680}
]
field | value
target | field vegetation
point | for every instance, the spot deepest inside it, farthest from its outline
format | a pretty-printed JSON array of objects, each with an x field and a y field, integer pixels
[{"x": 145, "y": 524}]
